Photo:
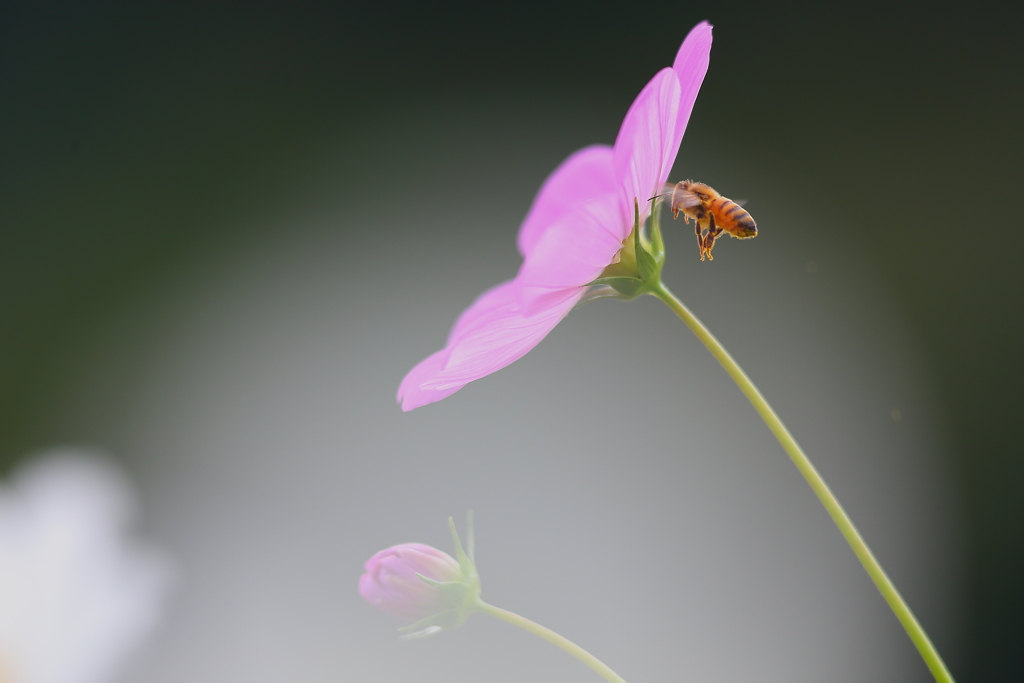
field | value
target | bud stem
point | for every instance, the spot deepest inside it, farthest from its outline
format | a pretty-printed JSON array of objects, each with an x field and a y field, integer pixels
[
  {"x": 818, "y": 485},
  {"x": 547, "y": 634}
]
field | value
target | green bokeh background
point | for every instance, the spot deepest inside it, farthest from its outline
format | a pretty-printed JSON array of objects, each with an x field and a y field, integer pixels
[{"x": 134, "y": 138}]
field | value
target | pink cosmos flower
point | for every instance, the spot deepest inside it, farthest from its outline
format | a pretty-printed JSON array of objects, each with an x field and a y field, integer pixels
[
  {"x": 391, "y": 580},
  {"x": 574, "y": 230}
]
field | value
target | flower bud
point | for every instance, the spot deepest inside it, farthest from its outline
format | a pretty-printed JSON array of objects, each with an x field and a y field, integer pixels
[
  {"x": 391, "y": 580},
  {"x": 422, "y": 584}
]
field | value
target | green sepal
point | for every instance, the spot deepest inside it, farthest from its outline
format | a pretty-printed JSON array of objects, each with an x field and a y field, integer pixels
[
  {"x": 646, "y": 264},
  {"x": 612, "y": 280},
  {"x": 657, "y": 243},
  {"x": 433, "y": 624},
  {"x": 601, "y": 292},
  {"x": 456, "y": 591},
  {"x": 428, "y": 630},
  {"x": 629, "y": 287},
  {"x": 470, "y": 538},
  {"x": 466, "y": 563}
]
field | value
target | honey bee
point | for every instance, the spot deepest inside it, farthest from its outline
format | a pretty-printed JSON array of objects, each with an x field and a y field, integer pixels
[{"x": 711, "y": 213}]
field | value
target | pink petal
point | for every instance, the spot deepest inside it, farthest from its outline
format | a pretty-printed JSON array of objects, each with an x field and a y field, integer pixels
[
  {"x": 485, "y": 305},
  {"x": 690, "y": 66},
  {"x": 573, "y": 251},
  {"x": 581, "y": 177},
  {"x": 409, "y": 393},
  {"x": 647, "y": 143},
  {"x": 501, "y": 338},
  {"x": 491, "y": 334}
]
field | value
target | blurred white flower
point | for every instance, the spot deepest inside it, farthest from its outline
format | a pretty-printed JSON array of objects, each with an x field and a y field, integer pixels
[{"x": 77, "y": 593}]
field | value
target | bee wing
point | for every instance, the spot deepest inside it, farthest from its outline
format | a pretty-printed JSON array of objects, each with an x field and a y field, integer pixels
[
  {"x": 666, "y": 190},
  {"x": 684, "y": 199},
  {"x": 741, "y": 202}
]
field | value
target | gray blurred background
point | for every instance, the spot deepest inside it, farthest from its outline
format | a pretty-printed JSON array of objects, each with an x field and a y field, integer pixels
[{"x": 228, "y": 231}]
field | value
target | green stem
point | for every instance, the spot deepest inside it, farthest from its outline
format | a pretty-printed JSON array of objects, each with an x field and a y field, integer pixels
[
  {"x": 789, "y": 444},
  {"x": 547, "y": 634}
]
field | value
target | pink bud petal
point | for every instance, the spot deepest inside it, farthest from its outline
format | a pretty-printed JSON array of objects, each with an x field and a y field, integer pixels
[{"x": 390, "y": 581}]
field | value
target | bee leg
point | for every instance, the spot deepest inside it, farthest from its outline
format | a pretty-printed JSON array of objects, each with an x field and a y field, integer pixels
[
  {"x": 700, "y": 237},
  {"x": 709, "y": 244},
  {"x": 709, "y": 240}
]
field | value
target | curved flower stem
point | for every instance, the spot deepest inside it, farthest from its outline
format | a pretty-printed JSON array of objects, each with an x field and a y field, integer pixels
[
  {"x": 547, "y": 634},
  {"x": 839, "y": 516}
]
